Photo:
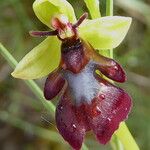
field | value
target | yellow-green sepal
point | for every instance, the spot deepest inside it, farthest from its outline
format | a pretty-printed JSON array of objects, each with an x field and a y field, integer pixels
[
  {"x": 40, "y": 61},
  {"x": 105, "y": 32},
  {"x": 45, "y": 10}
]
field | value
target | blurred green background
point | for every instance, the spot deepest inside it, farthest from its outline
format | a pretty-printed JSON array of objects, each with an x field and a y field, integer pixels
[{"x": 24, "y": 123}]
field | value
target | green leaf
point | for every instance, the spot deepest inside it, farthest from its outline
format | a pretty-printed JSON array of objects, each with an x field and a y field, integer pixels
[
  {"x": 40, "y": 61},
  {"x": 126, "y": 138},
  {"x": 105, "y": 32},
  {"x": 46, "y": 9},
  {"x": 93, "y": 7}
]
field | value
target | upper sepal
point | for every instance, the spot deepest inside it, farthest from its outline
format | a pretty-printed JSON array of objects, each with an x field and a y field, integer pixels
[
  {"x": 40, "y": 61},
  {"x": 106, "y": 32},
  {"x": 45, "y": 10}
]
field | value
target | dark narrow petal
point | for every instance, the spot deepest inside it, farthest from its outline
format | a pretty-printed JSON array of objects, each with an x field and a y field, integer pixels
[
  {"x": 109, "y": 108},
  {"x": 110, "y": 68},
  {"x": 69, "y": 122},
  {"x": 81, "y": 19},
  {"x": 43, "y": 33},
  {"x": 53, "y": 85}
]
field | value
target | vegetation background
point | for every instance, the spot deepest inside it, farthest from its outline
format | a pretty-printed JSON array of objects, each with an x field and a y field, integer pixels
[{"x": 24, "y": 123}]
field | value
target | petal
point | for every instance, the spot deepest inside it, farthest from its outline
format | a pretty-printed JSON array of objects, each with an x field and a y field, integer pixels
[
  {"x": 106, "y": 32},
  {"x": 109, "y": 67},
  {"x": 69, "y": 123},
  {"x": 93, "y": 7},
  {"x": 46, "y": 9},
  {"x": 114, "y": 105},
  {"x": 54, "y": 84},
  {"x": 40, "y": 61}
]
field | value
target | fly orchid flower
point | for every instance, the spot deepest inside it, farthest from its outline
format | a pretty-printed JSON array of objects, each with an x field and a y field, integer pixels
[{"x": 88, "y": 101}]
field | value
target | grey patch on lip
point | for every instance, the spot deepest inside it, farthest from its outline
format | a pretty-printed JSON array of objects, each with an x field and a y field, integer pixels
[{"x": 83, "y": 86}]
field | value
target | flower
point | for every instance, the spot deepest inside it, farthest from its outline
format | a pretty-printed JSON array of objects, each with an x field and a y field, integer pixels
[{"x": 88, "y": 101}]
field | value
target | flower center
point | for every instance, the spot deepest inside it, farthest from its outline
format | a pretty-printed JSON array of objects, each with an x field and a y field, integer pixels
[{"x": 63, "y": 28}]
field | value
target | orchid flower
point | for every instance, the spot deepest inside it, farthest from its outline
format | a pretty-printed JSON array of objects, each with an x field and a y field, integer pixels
[{"x": 88, "y": 100}]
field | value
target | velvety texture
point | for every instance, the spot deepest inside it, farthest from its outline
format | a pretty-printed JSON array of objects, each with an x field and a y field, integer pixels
[
  {"x": 88, "y": 101},
  {"x": 73, "y": 56},
  {"x": 103, "y": 115},
  {"x": 53, "y": 85},
  {"x": 69, "y": 124}
]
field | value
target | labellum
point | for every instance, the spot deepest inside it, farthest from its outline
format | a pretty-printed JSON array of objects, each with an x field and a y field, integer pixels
[{"x": 88, "y": 101}]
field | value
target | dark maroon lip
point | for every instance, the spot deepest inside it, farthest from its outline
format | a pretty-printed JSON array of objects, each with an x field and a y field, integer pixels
[
  {"x": 88, "y": 101},
  {"x": 76, "y": 114}
]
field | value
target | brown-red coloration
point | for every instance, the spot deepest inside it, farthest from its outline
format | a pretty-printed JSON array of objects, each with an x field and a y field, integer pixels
[{"x": 87, "y": 101}]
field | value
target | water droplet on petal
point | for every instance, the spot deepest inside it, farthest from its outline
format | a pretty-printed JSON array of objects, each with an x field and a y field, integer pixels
[
  {"x": 102, "y": 96},
  {"x": 115, "y": 67},
  {"x": 102, "y": 84},
  {"x": 96, "y": 111},
  {"x": 74, "y": 127},
  {"x": 108, "y": 119},
  {"x": 61, "y": 107}
]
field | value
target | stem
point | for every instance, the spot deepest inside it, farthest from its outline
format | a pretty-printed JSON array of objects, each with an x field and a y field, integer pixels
[
  {"x": 109, "y": 12},
  {"x": 123, "y": 134},
  {"x": 109, "y": 7},
  {"x": 31, "y": 84}
]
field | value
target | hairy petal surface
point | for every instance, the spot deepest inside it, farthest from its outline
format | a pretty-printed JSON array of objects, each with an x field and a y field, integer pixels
[
  {"x": 45, "y": 10},
  {"x": 40, "y": 61},
  {"x": 113, "y": 106},
  {"x": 69, "y": 122},
  {"x": 106, "y": 32}
]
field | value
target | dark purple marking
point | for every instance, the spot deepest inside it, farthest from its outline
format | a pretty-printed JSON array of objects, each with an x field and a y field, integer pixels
[
  {"x": 70, "y": 126},
  {"x": 110, "y": 68},
  {"x": 53, "y": 85},
  {"x": 43, "y": 33},
  {"x": 73, "y": 56},
  {"x": 80, "y": 20},
  {"x": 103, "y": 115}
]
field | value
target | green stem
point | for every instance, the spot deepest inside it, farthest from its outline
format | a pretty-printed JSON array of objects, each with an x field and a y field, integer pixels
[
  {"x": 31, "y": 84},
  {"x": 109, "y": 7},
  {"x": 123, "y": 134},
  {"x": 109, "y": 12}
]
